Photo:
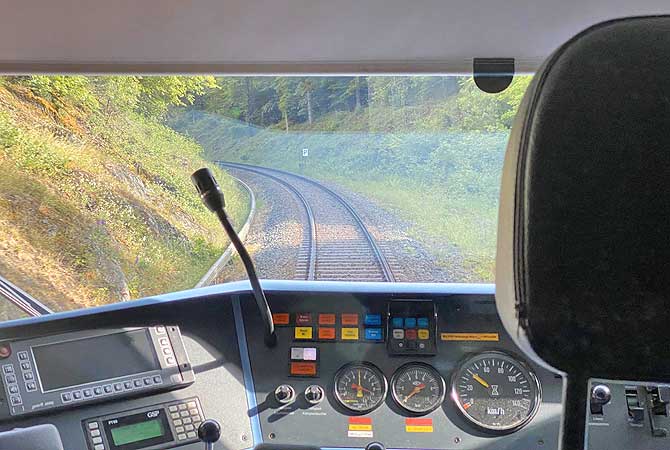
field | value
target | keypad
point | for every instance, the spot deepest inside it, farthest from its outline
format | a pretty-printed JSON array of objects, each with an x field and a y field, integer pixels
[
  {"x": 95, "y": 435},
  {"x": 103, "y": 390},
  {"x": 12, "y": 385},
  {"x": 186, "y": 417},
  {"x": 411, "y": 335},
  {"x": 166, "y": 349}
]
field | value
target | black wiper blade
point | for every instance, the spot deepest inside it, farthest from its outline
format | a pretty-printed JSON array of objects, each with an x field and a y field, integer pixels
[{"x": 21, "y": 299}]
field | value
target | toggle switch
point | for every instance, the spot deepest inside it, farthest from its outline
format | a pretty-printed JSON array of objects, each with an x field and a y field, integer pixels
[
  {"x": 285, "y": 394},
  {"x": 600, "y": 396},
  {"x": 314, "y": 394},
  {"x": 635, "y": 401}
]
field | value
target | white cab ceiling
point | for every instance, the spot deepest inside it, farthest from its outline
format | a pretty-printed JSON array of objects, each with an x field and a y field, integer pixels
[{"x": 292, "y": 36}]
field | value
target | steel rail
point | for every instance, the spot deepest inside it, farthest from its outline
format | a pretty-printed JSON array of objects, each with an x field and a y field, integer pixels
[{"x": 378, "y": 254}]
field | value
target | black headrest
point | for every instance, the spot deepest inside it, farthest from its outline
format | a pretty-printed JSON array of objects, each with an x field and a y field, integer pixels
[{"x": 583, "y": 264}]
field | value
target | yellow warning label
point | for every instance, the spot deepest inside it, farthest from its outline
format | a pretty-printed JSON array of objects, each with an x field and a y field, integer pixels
[
  {"x": 418, "y": 429},
  {"x": 469, "y": 336},
  {"x": 349, "y": 334},
  {"x": 303, "y": 332},
  {"x": 359, "y": 427}
]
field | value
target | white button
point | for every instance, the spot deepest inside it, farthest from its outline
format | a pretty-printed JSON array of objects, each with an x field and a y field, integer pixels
[
  {"x": 163, "y": 342},
  {"x": 179, "y": 429},
  {"x": 181, "y": 437},
  {"x": 170, "y": 360},
  {"x": 192, "y": 404},
  {"x": 310, "y": 354},
  {"x": 187, "y": 420},
  {"x": 93, "y": 426},
  {"x": 99, "y": 447},
  {"x": 190, "y": 434},
  {"x": 182, "y": 406},
  {"x": 175, "y": 415},
  {"x": 193, "y": 412},
  {"x": 184, "y": 414},
  {"x": 95, "y": 433},
  {"x": 173, "y": 408},
  {"x": 398, "y": 334},
  {"x": 97, "y": 440},
  {"x": 177, "y": 422},
  {"x": 160, "y": 330},
  {"x": 297, "y": 353},
  {"x": 189, "y": 427}
]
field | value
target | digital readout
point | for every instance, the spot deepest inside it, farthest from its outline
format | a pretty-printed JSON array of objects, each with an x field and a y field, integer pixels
[{"x": 136, "y": 432}]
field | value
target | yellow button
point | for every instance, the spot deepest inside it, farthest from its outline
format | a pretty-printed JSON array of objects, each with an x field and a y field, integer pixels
[
  {"x": 303, "y": 332},
  {"x": 349, "y": 334},
  {"x": 424, "y": 334}
]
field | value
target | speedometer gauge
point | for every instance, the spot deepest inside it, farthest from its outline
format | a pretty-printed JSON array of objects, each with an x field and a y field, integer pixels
[
  {"x": 496, "y": 392},
  {"x": 418, "y": 388},
  {"x": 360, "y": 387}
]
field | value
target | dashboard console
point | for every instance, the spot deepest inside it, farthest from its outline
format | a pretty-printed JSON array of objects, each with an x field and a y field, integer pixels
[
  {"x": 404, "y": 365},
  {"x": 54, "y": 372}
]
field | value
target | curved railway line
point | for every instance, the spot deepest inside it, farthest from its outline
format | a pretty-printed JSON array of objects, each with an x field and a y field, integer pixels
[{"x": 336, "y": 244}]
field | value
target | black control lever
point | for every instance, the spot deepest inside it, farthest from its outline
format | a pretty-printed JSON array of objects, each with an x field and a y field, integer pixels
[
  {"x": 213, "y": 198},
  {"x": 209, "y": 432}
]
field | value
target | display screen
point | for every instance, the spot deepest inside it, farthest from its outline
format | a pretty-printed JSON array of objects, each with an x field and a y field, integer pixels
[
  {"x": 98, "y": 358},
  {"x": 129, "y": 434}
]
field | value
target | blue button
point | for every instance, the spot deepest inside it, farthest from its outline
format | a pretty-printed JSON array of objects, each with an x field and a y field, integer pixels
[
  {"x": 422, "y": 322},
  {"x": 410, "y": 322},
  {"x": 373, "y": 319},
  {"x": 373, "y": 334},
  {"x": 397, "y": 322}
]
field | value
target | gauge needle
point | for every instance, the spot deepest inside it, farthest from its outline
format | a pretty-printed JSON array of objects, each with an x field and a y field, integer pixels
[
  {"x": 415, "y": 391},
  {"x": 359, "y": 394},
  {"x": 480, "y": 380},
  {"x": 360, "y": 388}
]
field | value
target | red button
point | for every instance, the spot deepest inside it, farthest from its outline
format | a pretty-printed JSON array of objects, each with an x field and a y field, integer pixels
[
  {"x": 327, "y": 334},
  {"x": 303, "y": 369},
  {"x": 349, "y": 319},
  {"x": 326, "y": 319},
  {"x": 410, "y": 334},
  {"x": 303, "y": 319},
  {"x": 280, "y": 318}
]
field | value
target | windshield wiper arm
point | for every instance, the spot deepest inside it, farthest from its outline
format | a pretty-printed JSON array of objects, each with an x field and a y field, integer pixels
[{"x": 21, "y": 299}]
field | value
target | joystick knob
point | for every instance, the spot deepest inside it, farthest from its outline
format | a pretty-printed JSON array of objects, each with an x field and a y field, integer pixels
[{"x": 209, "y": 432}]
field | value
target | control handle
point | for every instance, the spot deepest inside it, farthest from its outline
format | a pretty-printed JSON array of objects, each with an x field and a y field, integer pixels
[{"x": 209, "y": 432}]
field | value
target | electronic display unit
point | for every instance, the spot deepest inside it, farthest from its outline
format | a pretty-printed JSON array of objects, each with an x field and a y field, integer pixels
[
  {"x": 154, "y": 427},
  {"x": 69, "y": 369},
  {"x": 114, "y": 355}
]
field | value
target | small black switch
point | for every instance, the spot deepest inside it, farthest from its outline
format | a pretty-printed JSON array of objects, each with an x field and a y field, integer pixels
[{"x": 635, "y": 403}]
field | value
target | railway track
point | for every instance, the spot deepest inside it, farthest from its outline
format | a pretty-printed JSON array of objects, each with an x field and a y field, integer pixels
[{"x": 336, "y": 244}]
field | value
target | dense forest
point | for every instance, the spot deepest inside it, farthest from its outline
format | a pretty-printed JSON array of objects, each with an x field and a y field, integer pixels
[
  {"x": 429, "y": 148},
  {"x": 96, "y": 203}
]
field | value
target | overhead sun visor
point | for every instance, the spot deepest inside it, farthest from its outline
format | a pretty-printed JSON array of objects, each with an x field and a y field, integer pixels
[{"x": 291, "y": 36}]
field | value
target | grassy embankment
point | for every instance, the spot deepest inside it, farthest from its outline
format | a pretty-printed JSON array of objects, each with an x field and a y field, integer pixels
[
  {"x": 443, "y": 181},
  {"x": 95, "y": 208}
]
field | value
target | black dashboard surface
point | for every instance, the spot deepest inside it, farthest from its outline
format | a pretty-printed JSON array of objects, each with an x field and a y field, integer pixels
[{"x": 236, "y": 375}]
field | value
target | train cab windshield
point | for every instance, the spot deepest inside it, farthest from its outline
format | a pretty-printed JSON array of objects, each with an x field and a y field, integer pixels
[{"x": 359, "y": 178}]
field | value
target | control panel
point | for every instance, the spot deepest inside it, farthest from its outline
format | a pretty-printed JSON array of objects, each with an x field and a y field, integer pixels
[
  {"x": 54, "y": 372},
  {"x": 151, "y": 428},
  {"x": 632, "y": 414},
  {"x": 408, "y": 372}
]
